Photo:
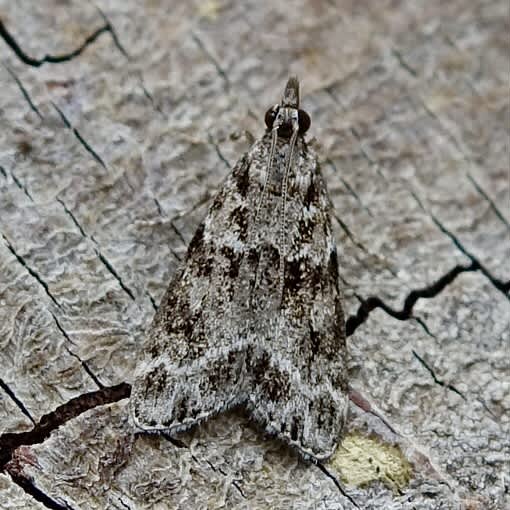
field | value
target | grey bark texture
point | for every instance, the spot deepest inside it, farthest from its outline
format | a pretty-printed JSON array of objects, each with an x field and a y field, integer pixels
[{"x": 116, "y": 128}]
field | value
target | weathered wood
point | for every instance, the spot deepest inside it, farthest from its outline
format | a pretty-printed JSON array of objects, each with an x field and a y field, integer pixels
[{"x": 115, "y": 131}]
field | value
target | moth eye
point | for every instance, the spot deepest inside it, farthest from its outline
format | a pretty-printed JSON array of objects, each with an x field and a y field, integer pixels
[
  {"x": 270, "y": 116},
  {"x": 304, "y": 122}
]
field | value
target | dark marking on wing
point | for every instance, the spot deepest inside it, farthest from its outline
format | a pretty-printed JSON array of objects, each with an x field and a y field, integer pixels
[
  {"x": 295, "y": 427},
  {"x": 305, "y": 229},
  {"x": 312, "y": 194},
  {"x": 242, "y": 177},
  {"x": 239, "y": 217},
  {"x": 197, "y": 242},
  {"x": 273, "y": 383},
  {"x": 333, "y": 267},
  {"x": 220, "y": 371},
  {"x": 302, "y": 273},
  {"x": 155, "y": 380},
  {"x": 234, "y": 259},
  {"x": 315, "y": 340}
]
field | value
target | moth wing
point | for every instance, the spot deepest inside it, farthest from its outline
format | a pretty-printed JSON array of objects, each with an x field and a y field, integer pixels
[
  {"x": 298, "y": 372},
  {"x": 193, "y": 355}
]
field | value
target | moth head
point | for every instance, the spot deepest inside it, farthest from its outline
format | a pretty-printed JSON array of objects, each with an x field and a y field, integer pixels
[
  {"x": 286, "y": 115},
  {"x": 284, "y": 127}
]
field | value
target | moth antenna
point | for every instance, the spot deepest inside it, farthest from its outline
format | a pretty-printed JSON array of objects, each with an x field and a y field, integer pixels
[
  {"x": 270, "y": 159},
  {"x": 283, "y": 230},
  {"x": 274, "y": 133}
]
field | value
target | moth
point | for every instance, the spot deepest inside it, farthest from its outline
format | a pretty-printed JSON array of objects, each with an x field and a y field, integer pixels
[{"x": 253, "y": 316}]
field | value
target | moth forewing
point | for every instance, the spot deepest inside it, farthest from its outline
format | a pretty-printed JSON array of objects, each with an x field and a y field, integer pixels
[{"x": 254, "y": 315}]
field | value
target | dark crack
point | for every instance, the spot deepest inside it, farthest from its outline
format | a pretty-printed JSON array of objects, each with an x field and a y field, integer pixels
[
  {"x": 73, "y": 217},
  {"x": 350, "y": 189},
  {"x": 176, "y": 255},
  {"x": 150, "y": 97},
  {"x": 469, "y": 159},
  {"x": 503, "y": 287},
  {"x": 354, "y": 240},
  {"x": 219, "y": 153},
  {"x": 434, "y": 377},
  {"x": 61, "y": 329},
  {"x": 406, "y": 313},
  {"x": 491, "y": 202},
  {"x": 50, "y": 422},
  {"x": 211, "y": 58},
  {"x": 403, "y": 63},
  {"x": 362, "y": 149},
  {"x": 125, "y": 505},
  {"x": 23, "y": 90},
  {"x": 64, "y": 57},
  {"x": 115, "y": 275},
  {"x": 235, "y": 483},
  {"x": 422, "y": 323},
  {"x": 30, "y": 488},
  {"x": 113, "y": 33},
  {"x": 178, "y": 233},
  {"x": 31, "y": 271},
  {"x": 87, "y": 369},
  {"x": 158, "y": 206},
  {"x": 224, "y": 473},
  {"x": 101, "y": 257},
  {"x": 353, "y": 130},
  {"x": 21, "y": 186},
  {"x": 16, "y": 400},
  {"x": 153, "y": 301},
  {"x": 3, "y": 171},
  {"x": 80, "y": 138},
  {"x": 337, "y": 483},
  {"x": 83, "y": 363}
]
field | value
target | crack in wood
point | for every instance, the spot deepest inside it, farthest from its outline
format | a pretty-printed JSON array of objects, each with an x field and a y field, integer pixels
[
  {"x": 16, "y": 400},
  {"x": 398, "y": 55},
  {"x": 64, "y": 57},
  {"x": 24, "y": 91},
  {"x": 73, "y": 217},
  {"x": 80, "y": 138},
  {"x": 87, "y": 369},
  {"x": 503, "y": 287},
  {"x": 9, "y": 441},
  {"x": 30, "y": 488},
  {"x": 32, "y": 272},
  {"x": 219, "y": 153},
  {"x": 83, "y": 363},
  {"x": 21, "y": 186},
  {"x": 101, "y": 257},
  {"x": 349, "y": 188},
  {"x": 222, "y": 472},
  {"x": 373, "y": 302},
  {"x": 337, "y": 483},
  {"x": 491, "y": 202},
  {"x": 211, "y": 58},
  {"x": 434, "y": 377},
  {"x": 114, "y": 273}
]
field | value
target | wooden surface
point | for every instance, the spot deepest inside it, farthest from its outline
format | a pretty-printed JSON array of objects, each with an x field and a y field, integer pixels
[{"x": 117, "y": 127}]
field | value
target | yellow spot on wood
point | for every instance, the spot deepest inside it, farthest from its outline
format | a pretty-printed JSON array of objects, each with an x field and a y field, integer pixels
[
  {"x": 361, "y": 460},
  {"x": 209, "y": 10}
]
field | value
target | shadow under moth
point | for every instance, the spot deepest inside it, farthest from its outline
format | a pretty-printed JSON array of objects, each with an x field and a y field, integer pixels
[{"x": 254, "y": 316}]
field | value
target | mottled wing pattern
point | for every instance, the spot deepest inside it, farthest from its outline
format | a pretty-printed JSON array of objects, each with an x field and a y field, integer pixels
[
  {"x": 193, "y": 356},
  {"x": 297, "y": 349}
]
